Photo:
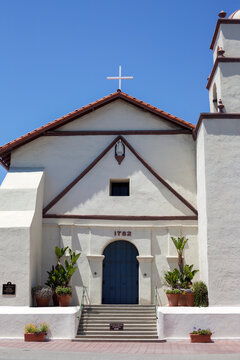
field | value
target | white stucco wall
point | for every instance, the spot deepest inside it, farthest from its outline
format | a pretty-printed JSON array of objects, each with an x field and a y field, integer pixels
[
  {"x": 62, "y": 321},
  {"x": 119, "y": 115},
  {"x": 148, "y": 196},
  {"x": 229, "y": 39},
  {"x": 227, "y": 76},
  {"x": 175, "y": 323},
  {"x": 21, "y": 197},
  {"x": 153, "y": 242},
  {"x": 219, "y": 207},
  {"x": 173, "y": 157},
  {"x": 202, "y": 206},
  {"x": 64, "y": 158}
]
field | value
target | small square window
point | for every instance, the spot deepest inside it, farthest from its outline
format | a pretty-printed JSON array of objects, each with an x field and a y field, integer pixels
[{"x": 119, "y": 187}]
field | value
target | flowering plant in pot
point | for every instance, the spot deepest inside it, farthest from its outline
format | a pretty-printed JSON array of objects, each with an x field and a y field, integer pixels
[
  {"x": 42, "y": 295},
  {"x": 64, "y": 295},
  {"x": 200, "y": 335},
  {"x": 35, "y": 332}
]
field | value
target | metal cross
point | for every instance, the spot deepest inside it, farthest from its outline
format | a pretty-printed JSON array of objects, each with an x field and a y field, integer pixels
[{"x": 120, "y": 77}]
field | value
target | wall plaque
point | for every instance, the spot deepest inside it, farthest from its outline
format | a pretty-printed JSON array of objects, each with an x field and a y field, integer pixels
[
  {"x": 116, "y": 326},
  {"x": 9, "y": 289}
]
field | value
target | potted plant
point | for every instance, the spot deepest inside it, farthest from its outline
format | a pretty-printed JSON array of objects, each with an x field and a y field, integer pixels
[
  {"x": 180, "y": 243},
  {"x": 64, "y": 295},
  {"x": 42, "y": 295},
  {"x": 53, "y": 275},
  {"x": 171, "y": 278},
  {"x": 33, "y": 332},
  {"x": 61, "y": 274},
  {"x": 187, "y": 296},
  {"x": 173, "y": 295},
  {"x": 200, "y": 335}
]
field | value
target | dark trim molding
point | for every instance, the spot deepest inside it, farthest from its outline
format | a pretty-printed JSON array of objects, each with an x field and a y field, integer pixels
[
  {"x": 217, "y": 61},
  {"x": 219, "y": 22},
  {"x": 157, "y": 176},
  {"x": 119, "y": 217},
  {"x": 83, "y": 173},
  {"x": 93, "y": 163},
  {"x": 117, "y": 132},
  {"x": 214, "y": 116}
]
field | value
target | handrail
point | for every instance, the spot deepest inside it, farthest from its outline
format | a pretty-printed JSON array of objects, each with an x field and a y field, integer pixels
[
  {"x": 82, "y": 301},
  {"x": 155, "y": 301}
]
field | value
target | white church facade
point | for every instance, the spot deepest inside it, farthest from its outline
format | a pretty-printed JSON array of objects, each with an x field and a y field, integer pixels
[{"x": 121, "y": 176}]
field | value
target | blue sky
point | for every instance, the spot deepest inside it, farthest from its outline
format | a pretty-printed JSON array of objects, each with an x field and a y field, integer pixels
[{"x": 56, "y": 54}]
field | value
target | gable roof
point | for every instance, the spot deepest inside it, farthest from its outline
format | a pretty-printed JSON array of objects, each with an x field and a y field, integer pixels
[{"x": 5, "y": 150}]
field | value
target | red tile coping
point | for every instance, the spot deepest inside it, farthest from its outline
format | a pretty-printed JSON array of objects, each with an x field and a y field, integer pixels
[{"x": 6, "y": 149}]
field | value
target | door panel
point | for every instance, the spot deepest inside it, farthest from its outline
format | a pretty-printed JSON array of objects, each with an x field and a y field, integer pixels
[{"x": 120, "y": 273}]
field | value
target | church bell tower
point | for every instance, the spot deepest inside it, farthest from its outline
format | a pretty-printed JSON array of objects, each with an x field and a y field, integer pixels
[
  {"x": 218, "y": 168},
  {"x": 224, "y": 80}
]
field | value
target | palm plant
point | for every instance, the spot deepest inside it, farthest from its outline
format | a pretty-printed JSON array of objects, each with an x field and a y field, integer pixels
[
  {"x": 187, "y": 276},
  {"x": 172, "y": 277},
  {"x": 180, "y": 243}
]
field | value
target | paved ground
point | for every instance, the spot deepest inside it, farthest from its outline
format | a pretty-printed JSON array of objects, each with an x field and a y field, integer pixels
[{"x": 62, "y": 349}]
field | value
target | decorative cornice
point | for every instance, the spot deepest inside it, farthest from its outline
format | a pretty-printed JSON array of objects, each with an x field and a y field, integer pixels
[
  {"x": 219, "y": 22},
  {"x": 119, "y": 217},
  {"x": 217, "y": 61},
  {"x": 93, "y": 163},
  {"x": 95, "y": 257},
  {"x": 214, "y": 116},
  {"x": 146, "y": 259}
]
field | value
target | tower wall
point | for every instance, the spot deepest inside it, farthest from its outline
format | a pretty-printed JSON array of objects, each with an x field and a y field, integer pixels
[{"x": 218, "y": 174}]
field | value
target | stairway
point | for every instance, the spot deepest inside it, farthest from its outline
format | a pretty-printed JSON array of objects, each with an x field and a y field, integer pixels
[{"x": 139, "y": 323}]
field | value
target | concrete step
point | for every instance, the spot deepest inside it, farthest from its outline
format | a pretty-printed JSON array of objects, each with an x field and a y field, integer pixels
[
  {"x": 119, "y": 306},
  {"x": 139, "y": 323},
  {"x": 85, "y": 338},
  {"x": 129, "y": 320},
  {"x": 123, "y": 336},
  {"x": 123, "y": 318},
  {"x": 118, "y": 333},
  {"x": 126, "y": 326}
]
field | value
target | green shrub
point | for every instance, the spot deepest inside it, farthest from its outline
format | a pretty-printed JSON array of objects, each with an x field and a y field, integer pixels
[
  {"x": 62, "y": 290},
  {"x": 174, "y": 291},
  {"x": 201, "y": 331},
  {"x": 200, "y": 294},
  {"x": 171, "y": 278}
]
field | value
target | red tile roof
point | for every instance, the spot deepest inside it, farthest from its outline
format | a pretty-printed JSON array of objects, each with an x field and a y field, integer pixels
[{"x": 6, "y": 149}]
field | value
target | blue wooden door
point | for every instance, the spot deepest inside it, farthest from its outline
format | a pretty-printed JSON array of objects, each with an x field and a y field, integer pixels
[{"x": 120, "y": 274}]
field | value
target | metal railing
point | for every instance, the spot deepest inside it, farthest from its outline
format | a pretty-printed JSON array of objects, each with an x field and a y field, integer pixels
[
  {"x": 155, "y": 301},
  {"x": 82, "y": 302}
]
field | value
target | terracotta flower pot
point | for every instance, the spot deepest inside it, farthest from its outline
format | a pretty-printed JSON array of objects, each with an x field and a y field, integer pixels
[
  {"x": 182, "y": 300},
  {"x": 64, "y": 300},
  {"x": 35, "y": 336},
  {"x": 172, "y": 299},
  {"x": 55, "y": 299},
  {"x": 190, "y": 298},
  {"x": 43, "y": 301},
  {"x": 197, "y": 338}
]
